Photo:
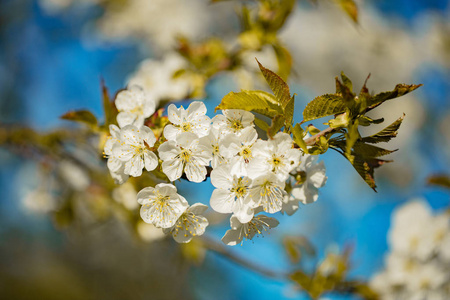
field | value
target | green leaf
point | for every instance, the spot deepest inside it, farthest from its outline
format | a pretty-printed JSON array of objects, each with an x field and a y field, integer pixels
[
  {"x": 439, "y": 180},
  {"x": 386, "y": 134},
  {"x": 295, "y": 246},
  {"x": 277, "y": 124},
  {"x": 323, "y": 106},
  {"x": 284, "y": 60},
  {"x": 399, "y": 90},
  {"x": 277, "y": 84},
  {"x": 365, "y": 168},
  {"x": 109, "y": 108},
  {"x": 257, "y": 101},
  {"x": 347, "y": 82},
  {"x": 289, "y": 110},
  {"x": 261, "y": 124},
  {"x": 81, "y": 116},
  {"x": 298, "y": 134},
  {"x": 366, "y": 121},
  {"x": 370, "y": 151},
  {"x": 345, "y": 89}
]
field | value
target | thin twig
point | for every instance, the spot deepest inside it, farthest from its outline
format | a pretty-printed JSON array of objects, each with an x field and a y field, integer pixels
[
  {"x": 225, "y": 251},
  {"x": 312, "y": 140}
]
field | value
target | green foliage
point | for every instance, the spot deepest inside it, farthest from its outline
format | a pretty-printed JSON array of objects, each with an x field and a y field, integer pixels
[
  {"x": 109, "y": 108},
  {"x": 296, "y": 247},
  {"x": 279, "y": 87},
  {"x": 350, "y": 8},
  {"x": 323, "y": 106},
  {"x": 257, "y": 101},
  {"x": 82, "y": 116},
  {"x": 399, "y": 90},
  {"x": 386, "y": 134},
  {"x": 440, "y": 180}
]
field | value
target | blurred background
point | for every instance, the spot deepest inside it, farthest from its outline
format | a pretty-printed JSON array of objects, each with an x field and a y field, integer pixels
[{"x": 53, "y": 55}]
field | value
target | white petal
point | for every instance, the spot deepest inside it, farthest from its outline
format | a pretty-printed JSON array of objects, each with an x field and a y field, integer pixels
[
  {"x": 195, "y": 172},
  {"x": 145, "y": 194},
  {"x": 174, "y": 114},
  {"x": 126, "y": 118},
  {"x": 222, "y": 201},
  {"x": 173, "y": 168},
  {"x": 221, "y": 178},
  {"x": 168, "y": 150},
  {"x": 147, "y": 135},
  {"x": 134, "y": 166},
  {"x": 232, "y": 237},
  {"x": 150, "y": 160},
  {"x": 171, "y": 132}
]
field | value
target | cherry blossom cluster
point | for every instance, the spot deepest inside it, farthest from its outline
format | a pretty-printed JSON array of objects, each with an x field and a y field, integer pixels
[
  {"x": 419, "y": 262},
  {"x": 251, "y": 175}
]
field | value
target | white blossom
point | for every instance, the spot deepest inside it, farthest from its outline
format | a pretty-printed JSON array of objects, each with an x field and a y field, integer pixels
[
  {"x": 193, "y": 119},
  {"x": 239, "y": 150},
  {"x": 161, "y": 205},
  {"x": 133, "y": 149},
  {"x": 231, "y": 194},
  {"x": 134, "y": 106},
  {"x": 268, "y": 191},
  {"x": 185, "y": 153},
  {"x": 211, "y": 142},
  {"x": 277, "y": 156},
  {"x": 116, "y": 166},
  {"x": 233, "y": 121},
  {"x": 189, "y": 224},
  {"x": 308, "y": 192},
  {"x": 240, "y": 231}
]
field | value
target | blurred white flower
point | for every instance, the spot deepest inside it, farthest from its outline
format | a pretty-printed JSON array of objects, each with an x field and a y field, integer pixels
[
  {"x": 133, "y": 149},
  {"x": 156, "y": 77},
  {"x": 73, "y": 175},
  {"x": 39, "y": 201},
  {"x": 148, "y": 232},
  {"x": 191, "y": 223},
  {"x": 240, "y": 231},
  {"x": 126, "y": 195},
  {"x": 161, "y": 205},
  {"x": 134, "y": 105},
  {"x": 416, "y": 267},
  {"x": 193, "y": 119},
  {"x": 185, "y": 153}
]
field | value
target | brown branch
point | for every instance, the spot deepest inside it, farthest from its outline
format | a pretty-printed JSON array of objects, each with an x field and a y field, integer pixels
[
  {"x": 312, "y": 140},
  {"x": 225, "y": 252}
]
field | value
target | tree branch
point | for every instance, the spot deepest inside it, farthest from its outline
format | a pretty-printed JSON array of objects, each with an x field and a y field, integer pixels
[{"x": 224, "y": 251}]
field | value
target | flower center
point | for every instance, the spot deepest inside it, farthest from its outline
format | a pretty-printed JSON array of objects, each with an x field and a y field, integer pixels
[
  {"x": 246, "y": 153},
  {"x": 185, "y": 156},
  {"x": 236, "y": 125},
  {"x": 216, "y": 149},
  {"x": 139, "y": 110},
  {"x": 186, "y": 127},
  {"x": 239, "y": 189}
]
